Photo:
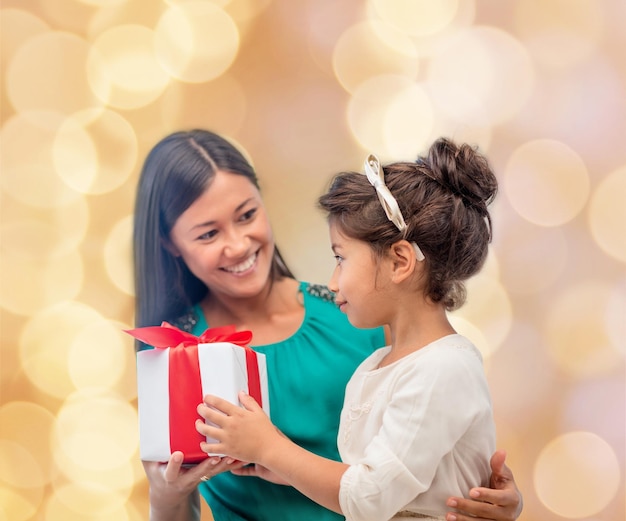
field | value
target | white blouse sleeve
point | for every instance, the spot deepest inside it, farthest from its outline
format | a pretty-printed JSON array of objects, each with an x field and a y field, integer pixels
[{"x": 431, "y": 404}]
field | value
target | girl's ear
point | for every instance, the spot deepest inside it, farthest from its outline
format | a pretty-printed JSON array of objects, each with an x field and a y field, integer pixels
[{"x": 403, "y": 260}]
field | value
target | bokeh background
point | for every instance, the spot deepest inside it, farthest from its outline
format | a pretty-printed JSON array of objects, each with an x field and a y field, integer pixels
[{"x": 307, "y": 88}]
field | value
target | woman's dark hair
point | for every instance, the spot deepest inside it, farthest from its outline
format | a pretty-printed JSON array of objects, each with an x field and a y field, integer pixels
[
  {"x": 176, "y": 172},
  {"x": 443, "y": 198}
]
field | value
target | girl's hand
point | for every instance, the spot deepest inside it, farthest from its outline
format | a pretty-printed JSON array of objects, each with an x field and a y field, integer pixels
[
  {"x": 243, "y": 433},
  {"x": 259, "y": 471},
  {"x": 502, "y": 502}
]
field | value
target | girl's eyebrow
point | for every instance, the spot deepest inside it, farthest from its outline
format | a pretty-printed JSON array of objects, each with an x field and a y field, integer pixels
[{"x": 211, "y": 223}]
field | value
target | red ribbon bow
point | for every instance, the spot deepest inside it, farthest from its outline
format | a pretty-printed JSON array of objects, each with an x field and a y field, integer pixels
[{"x": 186, "y": 393}]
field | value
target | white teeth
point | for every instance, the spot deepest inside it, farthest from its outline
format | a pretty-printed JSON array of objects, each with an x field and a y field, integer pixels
[{"x": 242, "y": 266}]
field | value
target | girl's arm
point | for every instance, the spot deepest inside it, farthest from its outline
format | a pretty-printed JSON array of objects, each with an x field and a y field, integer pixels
[{"x": 314, "y": 476}]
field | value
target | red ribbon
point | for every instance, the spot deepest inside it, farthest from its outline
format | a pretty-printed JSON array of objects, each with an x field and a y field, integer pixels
[{"x": 186, "y": 393}]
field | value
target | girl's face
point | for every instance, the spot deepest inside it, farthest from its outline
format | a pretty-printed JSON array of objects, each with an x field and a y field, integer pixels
[
  {"x": 225, "y": 238},
  {"x": 358, "y": 281}
]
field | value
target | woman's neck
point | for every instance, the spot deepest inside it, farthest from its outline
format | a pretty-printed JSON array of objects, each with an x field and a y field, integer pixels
[{"x": 273, "y": 315}]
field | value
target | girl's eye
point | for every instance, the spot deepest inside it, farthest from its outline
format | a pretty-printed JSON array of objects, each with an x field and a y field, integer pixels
[{"x": 338, "y": 259}]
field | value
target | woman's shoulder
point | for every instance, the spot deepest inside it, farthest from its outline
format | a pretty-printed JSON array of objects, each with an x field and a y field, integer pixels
[{"x": 318, "y": 291}]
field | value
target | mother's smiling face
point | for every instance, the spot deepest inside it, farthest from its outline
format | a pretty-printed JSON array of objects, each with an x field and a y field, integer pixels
[{"x": 225, "y": 238}]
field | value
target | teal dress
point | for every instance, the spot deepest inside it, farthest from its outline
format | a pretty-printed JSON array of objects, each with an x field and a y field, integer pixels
[{"x": 307, "y": 374}]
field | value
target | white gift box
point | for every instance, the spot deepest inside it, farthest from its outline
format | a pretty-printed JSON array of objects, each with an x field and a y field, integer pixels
[{"x": 223, "y": 371}]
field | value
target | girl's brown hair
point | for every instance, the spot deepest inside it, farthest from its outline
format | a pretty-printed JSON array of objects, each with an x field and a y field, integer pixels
[{"x": 443, "y": 198}]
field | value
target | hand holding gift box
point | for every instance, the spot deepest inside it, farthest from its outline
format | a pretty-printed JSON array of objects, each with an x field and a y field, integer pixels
[{"x": 173, "y": 378}]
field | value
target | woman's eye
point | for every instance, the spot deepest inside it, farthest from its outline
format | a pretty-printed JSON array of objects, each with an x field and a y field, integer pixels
[
  {"x": 249, "y": 214},
  {"x": 338, "y": 259},
  {"x": 208, "y": 235}
]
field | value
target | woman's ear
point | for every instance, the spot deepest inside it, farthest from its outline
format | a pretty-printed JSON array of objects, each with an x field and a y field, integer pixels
[
  {"x": 403, "y": 260},
  {"x": 169, "y": 246}
]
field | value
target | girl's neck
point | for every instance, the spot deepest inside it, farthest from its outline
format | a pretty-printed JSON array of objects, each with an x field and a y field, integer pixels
[{"x": 415, "y": 330}]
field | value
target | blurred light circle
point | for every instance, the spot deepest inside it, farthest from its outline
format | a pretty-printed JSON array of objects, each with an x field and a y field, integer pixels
[
  {"x": 102, "y": 3},
  {"x": 546, "y": 182},
  {"x": 196, "y": 41},
  {"x": 488, "y": 307},
  {"x": 223, "y": 101},
  {"x": 17, "y": 27},
  {"x": 18, "y": 467},
  {"x": 118, "y": 255},
  {"x": 616, "y": 310},
  {"x": 408, "y": 123},
  {"x": 122, "y": 68},
  {"x": 95, "y": 151},
  {"x": 417, "y": 17},
  {"x": 45, "y": 345},
  {"x": 560, "y": 33},
  {"x": 93, "y": 418},
  {"x": 491, "y": 65},
  {"x": 576, "y": 475},
  {"x": 576, "y": 330},
  {"x": 377, "y": 103},
  {"x": 30, "y": 284},
  {"x": 28, "y": 172},
  {"x": 54, "y": 59},
  {"x": 371, "y": 49},
  {"x": 533, "y": 258},
  {"x": 607, "y": 215},
  {"x": 28, "y": 425},
  {"x": 15, "y": 505},
  {"x": 80, "y": 501},
  {"x": 96, "y": 357}
]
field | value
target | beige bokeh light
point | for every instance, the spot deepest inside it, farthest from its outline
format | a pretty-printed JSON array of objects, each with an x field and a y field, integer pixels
[
  {"x": 46, "y": 342},
  {"x": 53, "y": 58},
  {"x": 576, "y": 475},
  {"x": 546, "y": 182},
  {"x": 371, "y": 49},
  {"x": 196, "y": 41},
  {"x": 17, "y": 26},
  {"x": 488, "y": 307},
  {"x": 27, "y": 160},
  {"x": 576, "y": 329},
  {"x": 122, "y": 68},
  {"x": 118, "y": 255},
  {"x": 75, "y": 501},
  {"x": 491, "y": 65},
  {"x": 607, "y": 214},
  {"x": 26, "y": 424},
  {"x": 95, "y": 151},
  {"x": 96, "y": 358},
  {"x": 417, "y": 17},
  {"x": 387, "y": 107},
  {"x": 95, "y": 418},
  {"x": 560, "y": 33}
]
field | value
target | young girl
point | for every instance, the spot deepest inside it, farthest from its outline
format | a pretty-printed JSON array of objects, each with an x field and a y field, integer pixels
[{"x": 417, "y": 422}]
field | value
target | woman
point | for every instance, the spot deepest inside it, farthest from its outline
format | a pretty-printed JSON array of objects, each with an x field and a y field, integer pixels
[{"x": 205, "y": 255}]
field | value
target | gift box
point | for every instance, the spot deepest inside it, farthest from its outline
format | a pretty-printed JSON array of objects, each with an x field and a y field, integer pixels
[{"x": 173, "y": 378}]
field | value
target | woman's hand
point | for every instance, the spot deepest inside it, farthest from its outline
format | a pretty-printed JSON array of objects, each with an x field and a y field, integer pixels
[
  {"x": 502, "y": 502},
  {"x": 173, "y": 488}
]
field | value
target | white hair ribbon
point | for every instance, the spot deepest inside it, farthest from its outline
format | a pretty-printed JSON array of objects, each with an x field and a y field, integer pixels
[{"x": 376, "y": 177}]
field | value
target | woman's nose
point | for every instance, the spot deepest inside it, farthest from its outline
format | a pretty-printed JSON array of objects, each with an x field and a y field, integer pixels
[{"x": 237, "y": 243}]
